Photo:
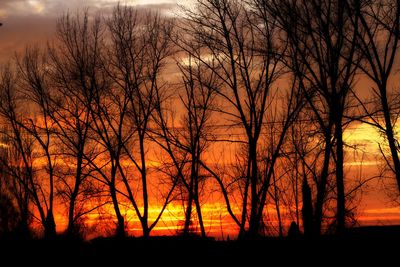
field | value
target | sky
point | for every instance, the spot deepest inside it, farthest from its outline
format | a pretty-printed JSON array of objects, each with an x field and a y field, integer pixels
[
  {"x": 31, "y": 8},
  {"x": 30, "y": 22}
]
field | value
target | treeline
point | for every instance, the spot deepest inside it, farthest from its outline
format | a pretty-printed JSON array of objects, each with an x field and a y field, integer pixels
[{"x": 85, "y": 117}]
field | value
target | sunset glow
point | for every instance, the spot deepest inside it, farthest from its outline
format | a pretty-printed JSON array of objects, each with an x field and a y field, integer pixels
[{"x": 198, "y": 118}]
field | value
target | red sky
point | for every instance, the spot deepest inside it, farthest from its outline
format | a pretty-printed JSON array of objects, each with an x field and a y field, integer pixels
[{"x": 30, "y": 22}]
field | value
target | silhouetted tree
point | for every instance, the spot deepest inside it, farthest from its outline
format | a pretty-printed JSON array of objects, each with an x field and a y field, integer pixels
[
  {"x": 322, "y": 46},
  {"x": 246, "y": 59},
  {"x": 378, "y": 25},
  {"x": 75, "y": 72},
  {"x": 186, "y": 143},
  {"x": 84, "y": 119},
  {"x": 38, "y": 124},
  {"x": 8, "y": 215},
  {"x": 307, "y": 209},
  {"x": 139, "y": 48},
  {"x": 12, "y": 113},
  {"x": 14, "y": 199}
]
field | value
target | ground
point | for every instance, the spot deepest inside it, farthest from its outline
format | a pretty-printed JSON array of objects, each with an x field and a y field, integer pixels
[{"x": 367, "y": 245}]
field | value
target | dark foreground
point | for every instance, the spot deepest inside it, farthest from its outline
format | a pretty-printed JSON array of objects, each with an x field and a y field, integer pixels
[{"x": 373, "y": 245}]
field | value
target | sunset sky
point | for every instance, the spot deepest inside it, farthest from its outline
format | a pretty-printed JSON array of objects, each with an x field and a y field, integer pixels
[{"x": 31, "y": 22}]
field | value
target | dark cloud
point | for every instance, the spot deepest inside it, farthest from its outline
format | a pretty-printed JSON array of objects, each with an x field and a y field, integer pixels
[
  {"x": 33, "y": 22},
  {"x": 19, "y": 31},
  {"x": 4, "y": 3}
]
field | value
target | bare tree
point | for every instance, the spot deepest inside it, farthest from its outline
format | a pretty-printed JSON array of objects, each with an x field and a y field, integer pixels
[
  {"x": 378, "y": 24},
  {"x": 186, "y": 143},
  {"x": 307, "y": 155},
  {"x": 12, "y": 115},
  {"x": 75, "y": 73},
  {"x": 246, "y": 61},
  {"x": 38, "y": 123},
  {"x": 322, "y": 46},
  {"x": 16, "y": 200},
  {"x": 85, "y": 118},
  {"x": 139, "y": 48}
]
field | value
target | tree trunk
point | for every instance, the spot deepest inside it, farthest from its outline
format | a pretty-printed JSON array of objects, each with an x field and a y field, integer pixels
[
  {"x": 390, "y": 135},
  {"x": 242, "y": 229},
  {"x": 145, "y": 227},
  {"x": 296, "y": 191},
  {"x": 71, "y": 230},
  {"x": 277, "y": 205},
  {"x": 341, "y": 208},
  {"x": 120, "y": 231},
  {"x": 144, "y": 219},
  {"x": 321, "y": 187},
  {"x": 188, "y": 213},
  {"x": 23, "y": 206},
  {"x": 199, "y": 215},
  {"x": 307, "y": 209},
  {"x": 254, "y": 224},
  {"x": 49, "y": 226}
]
